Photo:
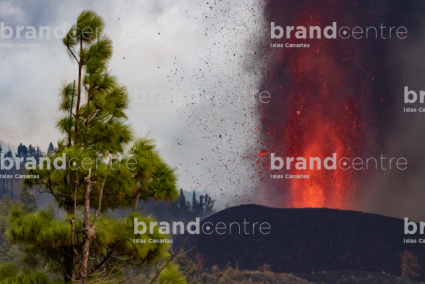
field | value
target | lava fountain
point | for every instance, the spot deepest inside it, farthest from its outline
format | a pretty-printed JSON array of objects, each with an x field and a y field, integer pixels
[
  {"x": 319, "y": 123},
  {"x": 326, "y": 98}
]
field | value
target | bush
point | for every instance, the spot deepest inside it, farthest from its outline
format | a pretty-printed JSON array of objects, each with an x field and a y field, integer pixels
[
  {"x": 204, "y": 278},
  {"x": 216, "y": 270},
  {"x": 233, "y": 274}
]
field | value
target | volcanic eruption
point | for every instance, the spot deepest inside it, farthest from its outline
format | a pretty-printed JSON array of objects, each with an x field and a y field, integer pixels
[{"x": 334, "y": 96}]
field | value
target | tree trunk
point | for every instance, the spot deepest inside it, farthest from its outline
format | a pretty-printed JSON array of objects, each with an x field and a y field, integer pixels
[
  {"x": 70, "y": 116},
  {"x": 80, "y": 67},
  {"x": 88, "y": 232}
]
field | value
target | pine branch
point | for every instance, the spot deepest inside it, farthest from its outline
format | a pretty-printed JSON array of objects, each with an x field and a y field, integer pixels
[
  {"x": 158, "y": 272},
  {"x": 102, "y": 262},
  {"x": 73, "y": 54}
]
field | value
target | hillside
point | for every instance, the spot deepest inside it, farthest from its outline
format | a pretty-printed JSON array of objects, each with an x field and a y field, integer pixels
[{"x": 306, "y": 240}]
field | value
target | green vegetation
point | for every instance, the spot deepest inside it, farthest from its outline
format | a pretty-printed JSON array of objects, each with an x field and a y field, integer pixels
[
  {"x": 106, "y": 168},
  {"x": 8, "y": 252}
]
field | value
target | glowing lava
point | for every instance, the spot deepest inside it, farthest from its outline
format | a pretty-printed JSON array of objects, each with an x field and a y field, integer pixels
[
  {"x": 321, "y": 121},
  {"x": 317, "y": 115}
]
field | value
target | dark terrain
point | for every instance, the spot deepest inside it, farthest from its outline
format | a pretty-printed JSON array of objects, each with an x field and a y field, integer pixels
[
  {"x": 353, "y": 277},
  {"x": 307, "y": 241},
  {"x": 347, "y": 277}
]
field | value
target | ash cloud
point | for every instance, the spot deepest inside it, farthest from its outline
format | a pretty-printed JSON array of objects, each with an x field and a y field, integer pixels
[{"x": 400, "y": 194}]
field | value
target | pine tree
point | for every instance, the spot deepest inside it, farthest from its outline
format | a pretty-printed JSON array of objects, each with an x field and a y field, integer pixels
[
  {"x": 31, "y": 151},
  {"x": 182, "y": 201},
  {"x": 38, "y": 154},
  {"x": 208, "y": 205},
  {"x": 8, "y": 154},
  {"x": 8, "y": 252},
  {"x": 22, "y": 151},
  {"x": 4, "y": 251},
  {"x": 195, "y": 204},
  {"x": 106, "y": 169},
  {"x": 5, "y": 208},
  {"x": 28, "y": 200},
  {"x": 51, "y": 149}
]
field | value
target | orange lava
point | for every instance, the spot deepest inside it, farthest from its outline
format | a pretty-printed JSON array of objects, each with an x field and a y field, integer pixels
[
  {"x": 322, "y": 118},
  {"x": 323, "y": 121}
]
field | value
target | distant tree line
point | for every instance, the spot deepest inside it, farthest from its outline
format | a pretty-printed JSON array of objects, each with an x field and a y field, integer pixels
[
  {"x": 29, "y": 152},
  {"x": 12, "y": 187},
  {"x": 182, "y": 209}
]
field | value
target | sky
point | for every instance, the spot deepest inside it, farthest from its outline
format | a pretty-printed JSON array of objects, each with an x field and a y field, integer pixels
[{"x": 189, "y": 59}]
